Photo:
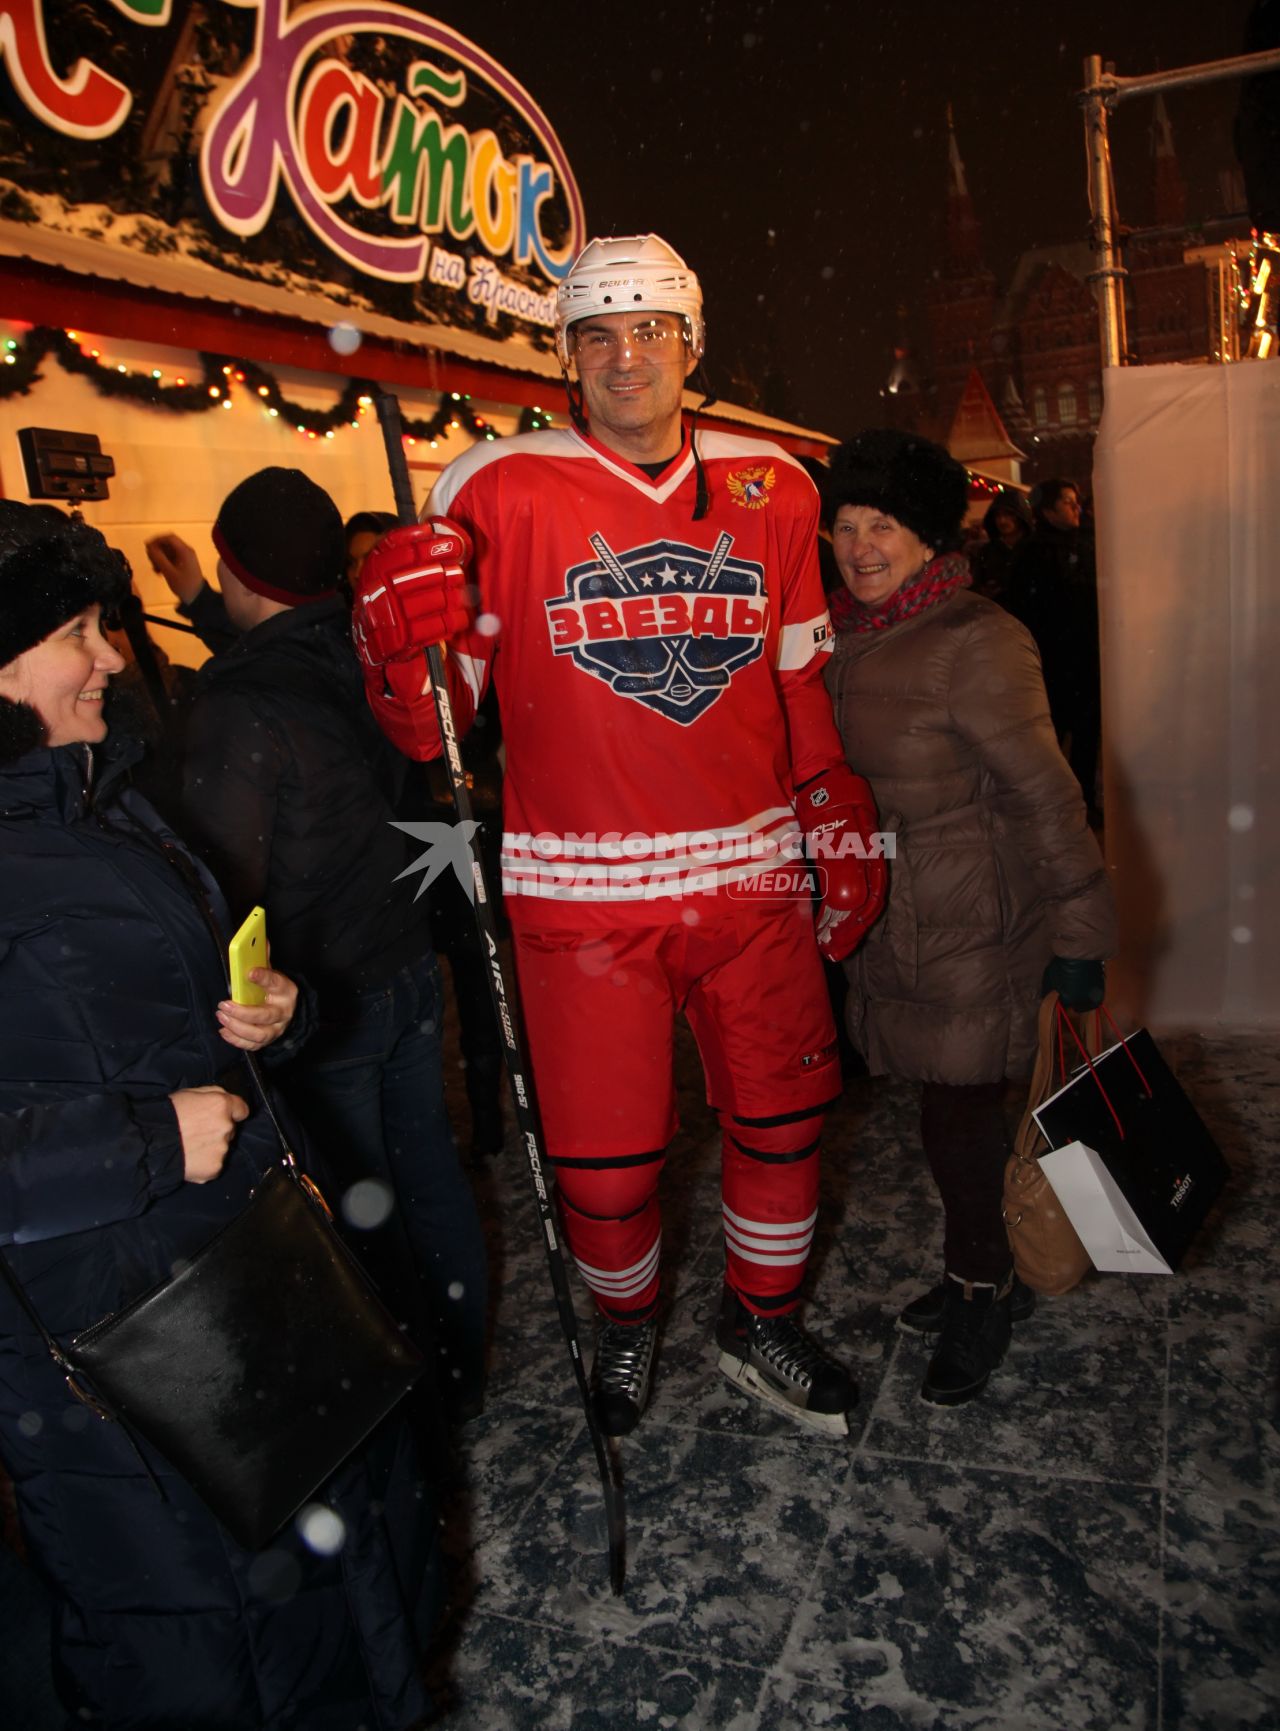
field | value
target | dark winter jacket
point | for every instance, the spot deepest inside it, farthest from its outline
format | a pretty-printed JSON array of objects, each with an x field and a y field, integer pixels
[
  {"x": 108, "y": 981},
  {"x": 290, "y": 791},
  {"x": 1053, "y": 590},
  {"x": 995, "y": 870},
  {"x": 992, "y": 562}
]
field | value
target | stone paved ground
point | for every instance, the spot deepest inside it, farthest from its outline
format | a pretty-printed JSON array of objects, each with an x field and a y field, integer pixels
[{"x": 1092, "y": 1545}]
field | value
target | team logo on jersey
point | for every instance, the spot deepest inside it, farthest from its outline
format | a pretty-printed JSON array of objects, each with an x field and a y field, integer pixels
[
  {"x": 751, "y": 487},
  {"x": 666, "y": 624}
]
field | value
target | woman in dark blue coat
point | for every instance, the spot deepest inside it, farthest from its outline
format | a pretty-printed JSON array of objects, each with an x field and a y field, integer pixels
[{"x": 127, "y": 1139}]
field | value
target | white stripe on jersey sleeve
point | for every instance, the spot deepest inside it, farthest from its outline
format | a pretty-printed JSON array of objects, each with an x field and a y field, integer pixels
[
  {"x": 551, "y": 442},
  {"x": 798, "y": 644},
  {"x": 717, "y": 446},
  {"x": 471, "y": 668}
]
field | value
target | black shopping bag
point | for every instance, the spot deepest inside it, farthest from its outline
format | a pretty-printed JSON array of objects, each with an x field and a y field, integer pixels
[{"x": 1133, "y": 1165}]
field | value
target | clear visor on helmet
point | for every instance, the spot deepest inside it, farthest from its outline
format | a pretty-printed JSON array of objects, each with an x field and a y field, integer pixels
[{"x": 607, "y": 339}]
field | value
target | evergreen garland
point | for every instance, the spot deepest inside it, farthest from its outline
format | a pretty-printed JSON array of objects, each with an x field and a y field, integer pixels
[{"x": 220, "y": 375}]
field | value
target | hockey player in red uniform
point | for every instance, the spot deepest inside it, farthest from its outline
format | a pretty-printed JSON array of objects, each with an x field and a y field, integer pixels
[{"x": 648, "y": 604}]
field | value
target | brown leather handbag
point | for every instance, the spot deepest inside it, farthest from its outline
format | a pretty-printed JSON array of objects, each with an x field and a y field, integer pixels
[{"x": 1047, "y": 1254}]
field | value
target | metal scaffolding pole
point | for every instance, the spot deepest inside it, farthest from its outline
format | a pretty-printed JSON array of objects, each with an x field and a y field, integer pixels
[
  {"x": 1102, "y": 91},
  {"x": 1108, "y": 278}
]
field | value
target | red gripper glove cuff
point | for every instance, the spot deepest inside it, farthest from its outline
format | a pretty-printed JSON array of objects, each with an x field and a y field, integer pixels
[
  {"x": 837, "y": 813},
  {"x": 411, "y": 592},
  {"x": 400, "y": 697}
]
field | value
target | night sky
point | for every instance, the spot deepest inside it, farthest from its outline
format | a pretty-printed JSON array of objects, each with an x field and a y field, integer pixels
[{"x": 795, "y": 150}]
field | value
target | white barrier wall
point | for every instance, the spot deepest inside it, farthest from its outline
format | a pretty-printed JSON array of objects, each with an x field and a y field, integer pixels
[
  {"x": 1187, "y": 485},
  {"x": 173, "y": 470}
]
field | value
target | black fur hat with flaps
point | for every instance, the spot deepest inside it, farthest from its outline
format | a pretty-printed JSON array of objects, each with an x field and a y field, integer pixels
[
  {"x": 908, "y": 477},
  {"x": 51, "y": 568}
]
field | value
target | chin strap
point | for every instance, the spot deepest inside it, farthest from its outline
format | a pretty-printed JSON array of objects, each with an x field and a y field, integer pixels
[
  {"x": 577, "y": 414},
  {"x": 702, "y": 500}
]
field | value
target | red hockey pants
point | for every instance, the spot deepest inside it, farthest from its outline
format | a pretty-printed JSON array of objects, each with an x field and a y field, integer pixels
[{"x": 599, "y": 1009}]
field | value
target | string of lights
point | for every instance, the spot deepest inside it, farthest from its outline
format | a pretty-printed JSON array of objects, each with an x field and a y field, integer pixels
[
  {"x": 1257, "y": 282},
  {"x": 224, "y": 377}
]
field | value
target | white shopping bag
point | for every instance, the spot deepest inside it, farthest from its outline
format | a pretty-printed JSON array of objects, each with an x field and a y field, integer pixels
[
  {"x": 1095, "y": 1205},
  {"x": 1132, "y": 1163}
]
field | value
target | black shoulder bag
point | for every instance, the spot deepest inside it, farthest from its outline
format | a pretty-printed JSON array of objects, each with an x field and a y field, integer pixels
[{"x": 261, "y": 1365}]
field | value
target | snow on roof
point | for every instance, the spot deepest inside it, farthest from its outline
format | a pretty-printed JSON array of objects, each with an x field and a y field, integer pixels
[{"x": 68, "y": 237}]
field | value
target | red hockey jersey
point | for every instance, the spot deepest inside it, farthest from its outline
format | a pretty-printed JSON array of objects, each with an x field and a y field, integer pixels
[{"x": 659, "y": 679}]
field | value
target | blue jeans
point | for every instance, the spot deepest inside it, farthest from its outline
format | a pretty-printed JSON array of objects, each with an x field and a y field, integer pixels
[{"x": 369, "y": 1089}]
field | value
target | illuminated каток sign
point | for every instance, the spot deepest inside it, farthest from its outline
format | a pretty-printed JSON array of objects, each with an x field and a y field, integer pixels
[{"x": 302, "y": 112}]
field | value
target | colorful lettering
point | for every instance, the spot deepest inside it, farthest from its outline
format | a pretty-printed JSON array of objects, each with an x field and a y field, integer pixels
[
  {"x": 336, "y": 100},
  {"x": 329, "y": 137},
  {"x": 325, "y": 147},
  {"x": 87, "y": 104},
  {"x": 671, "y": 615},
  {"x": 426, "y": 163}
]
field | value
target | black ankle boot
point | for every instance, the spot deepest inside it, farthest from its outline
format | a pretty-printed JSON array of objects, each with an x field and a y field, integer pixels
[
  {"x": 973, "y": 1338},
  {"x": 924, "y": 1314}
]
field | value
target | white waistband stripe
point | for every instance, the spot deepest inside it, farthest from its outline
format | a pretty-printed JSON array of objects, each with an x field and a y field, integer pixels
[{"x": 638, "y": 867}]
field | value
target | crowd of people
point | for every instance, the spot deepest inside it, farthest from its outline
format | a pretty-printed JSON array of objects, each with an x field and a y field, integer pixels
[{"x": 638, "y": 638}]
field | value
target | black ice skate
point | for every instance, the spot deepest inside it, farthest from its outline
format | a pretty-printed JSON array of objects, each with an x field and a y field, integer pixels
[
  {"x": 621, "y": 1374},
  {"x": 772, "y": 1358}
]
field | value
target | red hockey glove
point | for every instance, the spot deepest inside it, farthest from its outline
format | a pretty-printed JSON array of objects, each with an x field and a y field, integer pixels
[
  {"x": 838, "y": 816},
  {"x": 399, "y": 695},
  {"x": 411, "y": 591}
]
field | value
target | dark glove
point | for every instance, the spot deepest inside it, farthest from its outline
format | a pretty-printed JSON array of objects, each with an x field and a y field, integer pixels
[{"x": 1080, "y": 985}]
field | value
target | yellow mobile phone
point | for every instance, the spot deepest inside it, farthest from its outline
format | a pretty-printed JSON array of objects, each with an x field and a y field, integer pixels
[{"x": 248, "y": 949}]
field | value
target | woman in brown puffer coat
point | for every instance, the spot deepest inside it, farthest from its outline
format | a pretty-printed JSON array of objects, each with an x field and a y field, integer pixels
[{"x": 997, "y": 888}]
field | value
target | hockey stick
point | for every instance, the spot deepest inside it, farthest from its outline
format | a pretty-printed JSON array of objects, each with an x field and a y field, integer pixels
[{"x": 518, "y": 1075}]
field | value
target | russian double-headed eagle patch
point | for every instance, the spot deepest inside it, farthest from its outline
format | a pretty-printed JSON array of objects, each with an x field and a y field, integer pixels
[{"x": 751, "y": 487}]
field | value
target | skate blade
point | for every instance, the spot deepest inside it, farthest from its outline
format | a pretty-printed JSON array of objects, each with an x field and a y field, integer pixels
[{"x": 749, "y": 1380}]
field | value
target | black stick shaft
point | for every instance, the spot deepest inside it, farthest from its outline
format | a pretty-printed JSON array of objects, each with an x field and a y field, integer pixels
[
  {"x": 523, "y": 1097},
  {"x": 170, "y": 624}
]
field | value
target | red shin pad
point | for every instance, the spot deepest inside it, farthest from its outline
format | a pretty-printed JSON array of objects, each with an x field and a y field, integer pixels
[
  {"x": 770, "y": 1190},
  {"x": 617, "y": 1244}
]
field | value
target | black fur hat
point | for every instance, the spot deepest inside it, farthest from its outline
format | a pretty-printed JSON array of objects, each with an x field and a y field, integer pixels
[
  {"x": 51, "y": 568},
  {"x": 910, "y": 478}
]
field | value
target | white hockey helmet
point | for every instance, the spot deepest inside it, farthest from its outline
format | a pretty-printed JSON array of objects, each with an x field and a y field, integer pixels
[{"x": 632, "y": 273}]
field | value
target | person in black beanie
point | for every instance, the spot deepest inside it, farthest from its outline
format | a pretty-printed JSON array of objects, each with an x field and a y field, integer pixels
[
  {"x": 997, "y": 891},
  {"x": 292, "y": 793}
]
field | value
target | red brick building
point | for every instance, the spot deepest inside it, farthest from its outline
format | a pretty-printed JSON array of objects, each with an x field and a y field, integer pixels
[{"x": 1034, "y": 341}]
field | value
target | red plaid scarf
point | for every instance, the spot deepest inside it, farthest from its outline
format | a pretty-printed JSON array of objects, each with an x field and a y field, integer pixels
[{"x": 940, "y": 578}]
